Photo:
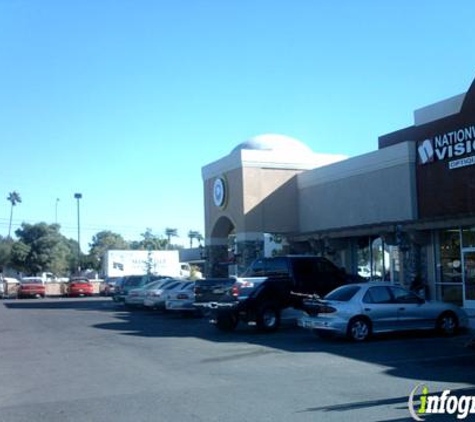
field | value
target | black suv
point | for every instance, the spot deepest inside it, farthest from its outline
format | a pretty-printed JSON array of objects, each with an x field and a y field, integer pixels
[{"x": 267, "y": 287}]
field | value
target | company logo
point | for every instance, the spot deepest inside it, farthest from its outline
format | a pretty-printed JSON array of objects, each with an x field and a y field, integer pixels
[
  {"x": 421, "y": 403},
  {"x": 457, "y": 145},
  {"x": 426, "y": 152},
  {"x": 219, "y": 192}
]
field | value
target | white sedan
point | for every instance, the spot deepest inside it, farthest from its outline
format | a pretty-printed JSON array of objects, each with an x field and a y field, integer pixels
[
  {"x": 182, "y": 298},
  {"x": 360, "y": 310},
  {"x": 157, "y": 297}
]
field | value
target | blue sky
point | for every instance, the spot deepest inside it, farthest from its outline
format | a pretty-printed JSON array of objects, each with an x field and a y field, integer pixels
[{"x": 125, "y": 101}]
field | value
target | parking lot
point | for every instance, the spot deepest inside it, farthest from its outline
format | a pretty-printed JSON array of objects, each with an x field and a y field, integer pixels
[{"x": 93, "y": 360}]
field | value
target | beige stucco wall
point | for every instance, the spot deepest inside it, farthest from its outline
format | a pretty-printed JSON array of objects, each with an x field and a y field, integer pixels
[
  {"x": 270, "y": 200},
  {"x": 378, "y": 187},
  {"x": 262, "y": 191},
  {"x": 234, "y": 205}
]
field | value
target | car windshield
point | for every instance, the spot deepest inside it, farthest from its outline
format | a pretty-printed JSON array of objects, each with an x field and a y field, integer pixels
[
  {"x": 79, "y": 280},
  {"x": 267, "y": 267},
  {"x": 153, "y": 284},
  {"x": 32, "y": 281},
  {"x": 172, "y": 285},
  {"x": 343, "y": 293},
  {"x": 134, "y": 281}
]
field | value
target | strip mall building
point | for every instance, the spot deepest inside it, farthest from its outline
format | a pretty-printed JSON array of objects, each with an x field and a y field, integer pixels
[{"x": 406, "y": 210}]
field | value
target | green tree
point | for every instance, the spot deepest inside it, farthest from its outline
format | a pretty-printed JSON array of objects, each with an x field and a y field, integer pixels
[
  {"x": 195, "y": 235},
  {"x": 14, "y": 198},
  {"x": 5, "y": 252},
  {"x": 103, "y": 242},
  {"x": 199, "y": 237},
  {"x": 41, "y": 247},
  {"x": 151, "y": 242},
  {"x": 170, "y": 232}
]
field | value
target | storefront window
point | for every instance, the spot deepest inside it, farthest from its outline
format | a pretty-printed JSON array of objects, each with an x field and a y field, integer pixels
[
  {"x": 468, "y": 237},
  {"x": 450, "y": 259},
  {"x": 364, "y": 257},
  {"x": 373, "y": 257},
  {"x": 451, "y": 294},
  {"x": 449, "y": 286}
]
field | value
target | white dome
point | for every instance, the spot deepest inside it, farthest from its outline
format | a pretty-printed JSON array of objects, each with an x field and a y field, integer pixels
[{"x": 278, "y": 143}]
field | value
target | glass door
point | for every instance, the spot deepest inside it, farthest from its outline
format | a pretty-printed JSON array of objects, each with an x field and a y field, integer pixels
[{"x": 469, "y": 278}]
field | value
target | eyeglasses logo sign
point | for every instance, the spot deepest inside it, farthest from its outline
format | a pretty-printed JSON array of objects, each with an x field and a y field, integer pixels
[{"x": 426, "y": 152}]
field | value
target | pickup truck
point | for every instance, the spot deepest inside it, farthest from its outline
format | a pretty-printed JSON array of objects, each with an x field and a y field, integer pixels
[{"x": 267, "y": 287}]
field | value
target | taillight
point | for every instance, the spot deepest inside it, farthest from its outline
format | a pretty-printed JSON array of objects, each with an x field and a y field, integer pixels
[
  {"x": 235, "y": 290},
  {"x": 324, "y": 309}
]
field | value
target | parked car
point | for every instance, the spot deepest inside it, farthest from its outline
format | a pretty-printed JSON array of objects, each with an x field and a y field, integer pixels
[
  {"x": 123, "y": 286},
  {"x": 108, "y": 286},
  {"x": 182, "y": 299},
  {"x": 31, "y": 287},
  {"x": 79, "y": 286},
  {"x": 136, "y": 297},
  {"x": 8, "y": 286},
  {"x": 360, "y": 310},
  {"x": 264, "y": 290},
  {"x": 155, "y": 298}
]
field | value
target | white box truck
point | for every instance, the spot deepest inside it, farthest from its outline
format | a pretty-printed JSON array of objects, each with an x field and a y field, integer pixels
[{"x": 119, "y": 263}]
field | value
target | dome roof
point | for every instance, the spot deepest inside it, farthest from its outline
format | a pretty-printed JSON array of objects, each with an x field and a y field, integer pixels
[{"x": 272, "y": 142}]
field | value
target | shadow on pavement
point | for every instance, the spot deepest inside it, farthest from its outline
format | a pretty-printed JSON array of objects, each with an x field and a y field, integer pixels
[{"x": 419, "y": 356}]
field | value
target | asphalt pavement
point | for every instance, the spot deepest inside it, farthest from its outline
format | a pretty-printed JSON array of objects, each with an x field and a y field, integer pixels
[{"x": 91, "y": 360}]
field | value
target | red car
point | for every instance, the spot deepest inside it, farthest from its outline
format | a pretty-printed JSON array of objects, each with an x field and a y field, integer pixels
[
  {"x": 31, "y": 287},
  {"x": 80, "y": 287}
]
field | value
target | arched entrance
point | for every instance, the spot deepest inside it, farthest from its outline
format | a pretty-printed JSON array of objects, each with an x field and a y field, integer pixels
[{"x": 220, "y": 248}]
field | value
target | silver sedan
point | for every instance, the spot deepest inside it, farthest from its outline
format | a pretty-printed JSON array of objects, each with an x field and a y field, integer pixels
[{"x": 360, "y": 310}]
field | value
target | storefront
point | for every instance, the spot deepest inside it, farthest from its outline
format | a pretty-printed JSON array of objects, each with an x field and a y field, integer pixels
[{"x": 403, "y": 213}]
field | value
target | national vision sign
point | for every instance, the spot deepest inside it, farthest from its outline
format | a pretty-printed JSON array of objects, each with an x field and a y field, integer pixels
[{"x": 456, "y": 147}]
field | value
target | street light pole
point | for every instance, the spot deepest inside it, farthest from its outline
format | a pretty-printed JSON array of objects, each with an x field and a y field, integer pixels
[
  {"x": 56, "y": 211},
  {"x": 78, "y": 196}
]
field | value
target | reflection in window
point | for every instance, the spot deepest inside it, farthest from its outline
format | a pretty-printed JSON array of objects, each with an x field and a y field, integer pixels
[
  {"x": 468, "y": 237},
  {"x": 450, "y": 293},
  {"x": 373, "y": 257},
  {"x": 450, "y": 259}
]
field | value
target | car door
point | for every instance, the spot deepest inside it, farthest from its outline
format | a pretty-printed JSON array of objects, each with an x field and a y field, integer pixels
[
  {"x": 379, "y": 306},
  {"x": 412, "y": 314}
]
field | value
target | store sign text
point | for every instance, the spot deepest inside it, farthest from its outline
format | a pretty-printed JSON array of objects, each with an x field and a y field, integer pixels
[{"x": 454, "y": 144}]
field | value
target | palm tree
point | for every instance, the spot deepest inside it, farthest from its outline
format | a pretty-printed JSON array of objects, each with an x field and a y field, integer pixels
[
  {"x": 169, "y": 232},
  {"x": 14, "y": 198},
  {"x": 199, "y": 237},
  {"x": 191, "y": 236},
  {"x": 194, "y": 234}
]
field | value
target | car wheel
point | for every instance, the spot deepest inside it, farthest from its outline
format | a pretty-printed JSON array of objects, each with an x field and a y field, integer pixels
[
  {"x": 447, "y": 324},
  {"x": 227, "y": 322},
  {"x": 268, "y": 318},
  {"x": 359, "y": 329}
]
